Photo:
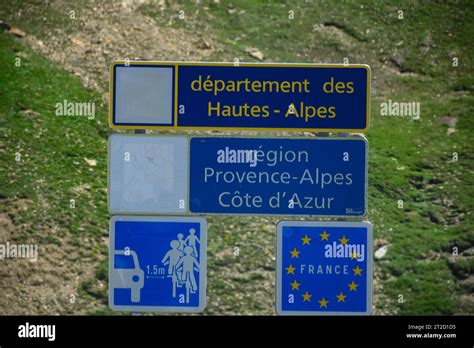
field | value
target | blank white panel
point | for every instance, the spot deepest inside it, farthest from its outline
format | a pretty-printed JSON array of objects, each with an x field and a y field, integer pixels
[
  {"x": 148, "y": 174},
  {"x": 144, "y": 95}
]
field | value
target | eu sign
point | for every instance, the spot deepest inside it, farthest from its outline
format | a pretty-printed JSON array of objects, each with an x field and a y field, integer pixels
[
  {"x": 200, "y": 96},
  {"x": 157, "y": 264},
  {"x": 321, "y": 177},
  {"x": 324, "y": 268}
]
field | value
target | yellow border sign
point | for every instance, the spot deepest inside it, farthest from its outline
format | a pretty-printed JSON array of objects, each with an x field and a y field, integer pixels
[{"x": 240, "y": 97}]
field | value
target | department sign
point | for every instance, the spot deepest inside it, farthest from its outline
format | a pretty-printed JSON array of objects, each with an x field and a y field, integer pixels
[{"x": 263, "y": 97}]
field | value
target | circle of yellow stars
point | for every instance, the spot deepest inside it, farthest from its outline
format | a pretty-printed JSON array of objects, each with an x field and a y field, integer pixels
[{"x": 295, "y": 286}]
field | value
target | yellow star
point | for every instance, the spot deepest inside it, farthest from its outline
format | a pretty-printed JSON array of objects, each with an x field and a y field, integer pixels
[
  {"x": 341, "y": 297},
  {"x": 295, "y": 285},
  {"x": 306, "y": 240},
  {"x": 290, "y": 270},
  {"x": 323, "y": 303},
  {"x": 357, "y": 271},
  {"x": 343, "y": 240},
  {"x": 306, "y": 297},
  {"x": 324, "y": 236},
  {"x": 353, "y": 286},
  {"x": 295, "y": 253},
  {"x": 353, "y": 255}
]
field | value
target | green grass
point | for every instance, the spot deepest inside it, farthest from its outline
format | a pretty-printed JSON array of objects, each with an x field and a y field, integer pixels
[
  {"x": 409, "y": 160},
  {"x": 53, "y": 148},
  {"x": 428, "y": 36},
  {"x": 51, "y": 170},
  {"x": 39, "y": 17}
]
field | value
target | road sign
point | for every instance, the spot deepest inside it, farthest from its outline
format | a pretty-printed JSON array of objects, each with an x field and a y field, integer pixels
[
  {"x": 322, "y": 176},
  {"x": 157, "y": 264},
  {"x": 200, "y": 96},
  {"x": 148, "y": 174},
  {"x": 324, "y": 268},
  {"x": 318, "y": 176}
]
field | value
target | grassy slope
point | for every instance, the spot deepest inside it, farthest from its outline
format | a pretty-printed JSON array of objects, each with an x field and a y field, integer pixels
[
  {"x": 409, "y": 160},
  {"x": 53, "y": 149}
]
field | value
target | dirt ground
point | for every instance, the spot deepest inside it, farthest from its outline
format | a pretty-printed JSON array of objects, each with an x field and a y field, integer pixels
[{"x": 115, "y": 31}]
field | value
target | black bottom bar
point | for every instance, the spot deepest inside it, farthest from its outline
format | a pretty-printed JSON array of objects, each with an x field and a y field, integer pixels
[{"x": 191, "y": 330}]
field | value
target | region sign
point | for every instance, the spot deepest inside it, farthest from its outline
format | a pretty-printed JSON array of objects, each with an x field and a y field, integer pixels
[
  {"x": 210, "y": 96},
  {"x": 324, "y": 268},
  {"x": 271, "y": 176},
  {"x": 177, "y": 175},
  {"x": 157, "y": 264},
  {"x": 321, "y": 177}
]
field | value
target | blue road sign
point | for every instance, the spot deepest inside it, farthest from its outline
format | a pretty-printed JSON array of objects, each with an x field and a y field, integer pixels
[
  {"x": 200, "y": 96},
  {"x": 324, "y": 268},
  {"x": 157, "y": 264},
  {"x": 320, "y": 177}
]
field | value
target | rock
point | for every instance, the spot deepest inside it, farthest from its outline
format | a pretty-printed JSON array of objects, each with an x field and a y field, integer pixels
[
  {"x": 254, "y": 52},
  {"x": 379, "y": 243},
  {"x": 461, "y": 266},
  {"x": 454, "y": 221},
  {"x": 468, "y": 284},
  {"x": 435, "y": 217},
  {"x": 448, "y": 120},
  {"x": 17, "y": 32},
  {"x": 381, "y": 252},
  {"x": 82, "y": 188},
  {"x": 91, "y": 162},
  {"x": 231, "y": 9},
  {"x": 468, "y": 252},
  {"x": 161, "y": 4},
  {"x": 398, "y": 61},
  {"x": 205, "y": 45},
  {"x": 466, "y": 304},
  {"x": 78, "y": 42},
  {"x": 28, "y": 113}
]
